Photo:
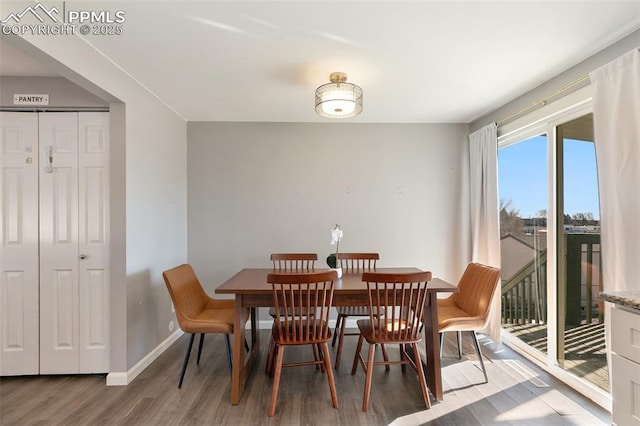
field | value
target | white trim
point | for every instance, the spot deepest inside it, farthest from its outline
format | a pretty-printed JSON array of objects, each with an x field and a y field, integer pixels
[{"x": 124, "y": 378}]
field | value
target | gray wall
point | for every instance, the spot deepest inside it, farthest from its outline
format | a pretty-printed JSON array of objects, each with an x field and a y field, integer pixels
[{"x": 257, "y": 188}]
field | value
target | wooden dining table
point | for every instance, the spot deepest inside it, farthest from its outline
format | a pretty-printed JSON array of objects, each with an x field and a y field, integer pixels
[{"x": 251, "y": 291}]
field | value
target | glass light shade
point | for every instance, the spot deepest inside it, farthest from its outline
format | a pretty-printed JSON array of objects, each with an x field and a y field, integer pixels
[{"x": 338, "y": 100}]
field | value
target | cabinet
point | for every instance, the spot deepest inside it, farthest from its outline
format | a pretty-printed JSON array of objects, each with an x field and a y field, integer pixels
[{"x": 625, "y": 368}]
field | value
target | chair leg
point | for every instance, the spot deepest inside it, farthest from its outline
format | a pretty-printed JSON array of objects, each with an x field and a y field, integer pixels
[
  {"x": 335, "y": 332},
  {"x": 276, "y": 380},
  {"x": 316, "y": 357},
  {"x": 356, "y": 358},
  {"x": 320, "y": 356},
  {"x": 475, "y": 341},
  {"x": 402, "y": 352},
  {"x": 270, "y": 358},
  {"x": 385, "y": 357},
  {"x": 369, "y": 377},
  {"x": 327, "y": 366},
  {"x": 340, "y": 341},
  {"x": 186, "y": 359},
  {"x": 421, "y": 378},
  {"x": 441, "y": 343},
  {"x": 200, "y": 348},
  {"x": 227, "y": 341},
  {"x": 459, "y": 337}
]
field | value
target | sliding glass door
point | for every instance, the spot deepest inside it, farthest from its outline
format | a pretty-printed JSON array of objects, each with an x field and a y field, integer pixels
[
  {"x": 581, "y": 346},
  {"x": 523, "y": 190},
  {"x": 550, "y": 247}
]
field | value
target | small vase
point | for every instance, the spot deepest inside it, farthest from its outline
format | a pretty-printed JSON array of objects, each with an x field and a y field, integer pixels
[{"x": 338, "y": 270}]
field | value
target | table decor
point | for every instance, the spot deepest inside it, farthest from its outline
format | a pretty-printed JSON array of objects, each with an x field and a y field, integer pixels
[{"x": 332, "y": 260}]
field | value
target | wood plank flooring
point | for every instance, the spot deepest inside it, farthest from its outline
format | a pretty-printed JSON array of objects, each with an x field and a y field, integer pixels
[{"x": 518, "y": 393}]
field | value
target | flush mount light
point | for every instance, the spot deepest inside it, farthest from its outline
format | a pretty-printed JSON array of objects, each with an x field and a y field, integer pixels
[{"x": 338, "y": 99}]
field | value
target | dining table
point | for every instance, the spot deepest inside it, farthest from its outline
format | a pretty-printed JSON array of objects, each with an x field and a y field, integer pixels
[{"x": 251, "y": 291}]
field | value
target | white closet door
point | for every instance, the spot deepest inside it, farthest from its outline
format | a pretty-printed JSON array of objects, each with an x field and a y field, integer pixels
[
  {"x": 93, "y": 195},
  {"x": 59, "y": 345},
  {"x": 19, "y": 353}
]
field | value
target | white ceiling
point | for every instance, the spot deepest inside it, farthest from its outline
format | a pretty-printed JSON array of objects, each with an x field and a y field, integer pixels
[{"x": 416, "y": 61}]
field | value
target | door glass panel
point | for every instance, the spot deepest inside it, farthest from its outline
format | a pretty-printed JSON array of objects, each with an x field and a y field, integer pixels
[
  {"x": 581, "y": 345},
  {"x": 523, "y": 191}
]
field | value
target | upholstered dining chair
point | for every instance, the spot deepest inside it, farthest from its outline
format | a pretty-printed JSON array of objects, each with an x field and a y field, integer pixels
[
  {"x": 294, "y": 294},
  {"x": 352, "y": 263},
  {"x": 402, "y": 296},
  {"x": 468, "y": 309},
  {"x": 196, "y": 311}
]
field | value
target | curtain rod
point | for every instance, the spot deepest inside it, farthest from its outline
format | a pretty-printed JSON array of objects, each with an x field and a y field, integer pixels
[{"x": 544, "y": 100}]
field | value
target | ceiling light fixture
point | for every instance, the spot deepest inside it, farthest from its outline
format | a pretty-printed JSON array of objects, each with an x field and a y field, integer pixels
[{"x": 338, "y": 99}]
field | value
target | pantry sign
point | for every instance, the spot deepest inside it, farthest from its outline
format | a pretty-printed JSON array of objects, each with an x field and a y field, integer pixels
[{"x": 22, "y": 99}]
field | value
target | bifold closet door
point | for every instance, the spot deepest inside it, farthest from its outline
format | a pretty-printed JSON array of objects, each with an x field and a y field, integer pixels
[
  {"x": 19, "y": 263},
  {"x": 54, "y": 288},
  {"x": 74, "y": 277}
]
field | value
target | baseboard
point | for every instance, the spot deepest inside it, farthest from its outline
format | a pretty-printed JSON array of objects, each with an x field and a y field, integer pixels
[{"x": 124, "y": 378}]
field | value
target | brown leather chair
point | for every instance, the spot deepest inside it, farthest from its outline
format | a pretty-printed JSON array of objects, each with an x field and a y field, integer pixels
[
  {"x": 402, "y": 297},
  {"x": 196, "y": 311},
  {"x": 468, "y": 309},
  {"x": 352, "y": 263},
  {"x": 298, "y": 293}
]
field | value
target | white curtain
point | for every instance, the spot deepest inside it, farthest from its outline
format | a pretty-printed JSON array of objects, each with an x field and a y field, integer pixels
[
  {"x": 616, "y": 115},
  {"x": 485, "y": 226},
  {"x": 616, "y": 122}
]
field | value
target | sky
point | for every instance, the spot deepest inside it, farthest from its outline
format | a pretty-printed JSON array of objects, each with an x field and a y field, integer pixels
[{"x": 522, "y": 177}]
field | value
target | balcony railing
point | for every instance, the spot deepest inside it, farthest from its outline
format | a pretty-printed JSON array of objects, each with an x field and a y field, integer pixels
[{"x": 524, "y": 296}]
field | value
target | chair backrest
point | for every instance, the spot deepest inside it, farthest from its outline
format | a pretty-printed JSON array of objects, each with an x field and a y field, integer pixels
[
  {"x": 402, "y": 297},
  {"x": 294, "y": 261},
  {"x": 358, "y": 261},
  {"x": 187, "y": 294},
  {"x": 298, "y": 294},
  {"x": 476, "y": 289}
]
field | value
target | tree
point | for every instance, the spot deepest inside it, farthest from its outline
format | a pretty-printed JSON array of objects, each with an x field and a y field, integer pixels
[{"x": 510, "y": 221}]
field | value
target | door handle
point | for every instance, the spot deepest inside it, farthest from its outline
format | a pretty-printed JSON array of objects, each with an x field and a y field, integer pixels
[{"x": 83, "y": 256}]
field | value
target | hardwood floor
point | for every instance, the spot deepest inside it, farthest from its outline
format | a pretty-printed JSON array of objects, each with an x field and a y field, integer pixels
[{"x": 517, "y": 393}]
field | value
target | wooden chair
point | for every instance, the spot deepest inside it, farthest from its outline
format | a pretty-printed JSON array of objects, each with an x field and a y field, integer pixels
[
  {"x": 402, "y": 297},
  {"x": 294, "y": 261},
  {"x": 289, "y": 262},
  {"x": 196, "y": 311},
  {"x": 352, "y": 263},
  {"x": 297, "y": 293},
  {"x": 468, "y": 309}
]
